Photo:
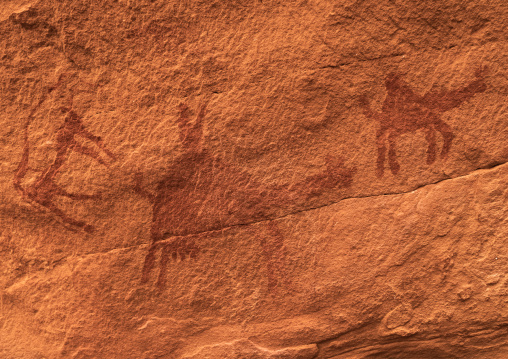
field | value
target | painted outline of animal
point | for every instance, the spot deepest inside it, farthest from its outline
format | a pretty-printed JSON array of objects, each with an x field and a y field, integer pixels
[
  {"x": 44, "y": 189},
  {"x": 405, "y": 111},
  {"x": 201, "y": 194}
]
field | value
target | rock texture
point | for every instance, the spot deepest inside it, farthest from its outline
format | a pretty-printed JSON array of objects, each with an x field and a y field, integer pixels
[{"x": 253, "y": 179}]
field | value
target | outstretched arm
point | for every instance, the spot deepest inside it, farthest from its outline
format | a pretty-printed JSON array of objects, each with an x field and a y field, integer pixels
[
  {"x": 67, "y": 219},
  {"x": 90, "y": 152},
  {"x": 98, "y": 141},
  {"x": 83, "y": 132}
]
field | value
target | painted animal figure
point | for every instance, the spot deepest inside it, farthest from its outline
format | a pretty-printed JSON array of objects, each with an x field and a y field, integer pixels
[
  {"x": 405, "y": 111},
  {"x": 44, "y": 189},
  {"x": 201, "y": 193}
]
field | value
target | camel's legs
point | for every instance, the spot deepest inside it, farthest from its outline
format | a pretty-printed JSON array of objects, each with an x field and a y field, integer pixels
[
  {"x": 149, "y": 262},
  {"x": 392, "y": 155},
  {"x": 446, "y": 132},
  {"x": 381, "y": 152},
  {"x": 431, "y": 140},
  {"x": 275, "y": 256},
  {"x": 167, "y": 250},
  {"x": 170, "y": 249}
]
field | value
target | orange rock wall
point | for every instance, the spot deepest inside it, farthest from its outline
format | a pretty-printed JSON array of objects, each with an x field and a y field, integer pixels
[{"x": 253, "y": 179}]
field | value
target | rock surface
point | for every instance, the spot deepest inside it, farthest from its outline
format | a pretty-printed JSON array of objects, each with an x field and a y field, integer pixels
[{"x": 253, "y": 179}]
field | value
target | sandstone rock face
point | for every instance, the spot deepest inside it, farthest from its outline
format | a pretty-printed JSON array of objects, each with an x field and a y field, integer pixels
[{"x": 253, "y": 179}]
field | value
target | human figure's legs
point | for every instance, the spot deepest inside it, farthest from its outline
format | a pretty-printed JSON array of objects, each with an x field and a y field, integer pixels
[
  {"x": 430, "y": 136},
  {"x": 446, "y": 132},
  {"x": 381, "y": 152},
  {"x": 392, "y": 155}
]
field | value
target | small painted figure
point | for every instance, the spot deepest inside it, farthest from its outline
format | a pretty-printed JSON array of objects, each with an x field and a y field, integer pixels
[
  {"x": 405, "y": 111},
  {"x": 44, "y": 189}
]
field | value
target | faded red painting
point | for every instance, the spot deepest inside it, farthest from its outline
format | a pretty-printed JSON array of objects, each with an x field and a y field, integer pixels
[
  {"x": 405, "y": 111},
  {"x": 201, "y": 193},
  {"x": 44, "y": 190}
]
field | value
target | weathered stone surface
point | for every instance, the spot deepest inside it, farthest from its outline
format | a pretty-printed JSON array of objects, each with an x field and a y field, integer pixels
[
  {"x": 246, "y": 349},
  {"x": 233, "y": 179}
]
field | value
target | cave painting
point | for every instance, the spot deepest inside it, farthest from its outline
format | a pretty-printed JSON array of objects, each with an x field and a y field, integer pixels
[
  {"x": 44, "y": 189},
  {"x": 405, "y": 111},
  {"x": 201, "y": 193}
]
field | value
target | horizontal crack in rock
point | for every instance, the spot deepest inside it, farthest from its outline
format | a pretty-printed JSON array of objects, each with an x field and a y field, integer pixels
[{"x": 487, "y": 167}]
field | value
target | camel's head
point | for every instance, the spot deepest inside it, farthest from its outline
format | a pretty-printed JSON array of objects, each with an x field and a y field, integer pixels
[
  {"x": 392, "y": 80},
  {"x": 183, "y": 107}
]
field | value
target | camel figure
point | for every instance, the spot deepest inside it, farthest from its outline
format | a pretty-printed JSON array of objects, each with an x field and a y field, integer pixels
[
  {"x": 44, "y": 189},
  {"x": 405, "y": 111},
  {"x": 201, "y": 194}
]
